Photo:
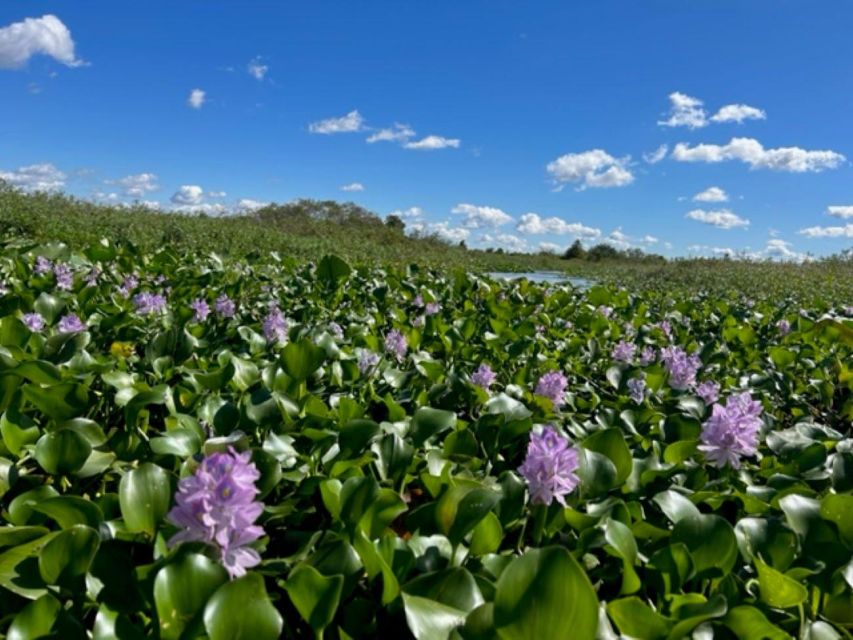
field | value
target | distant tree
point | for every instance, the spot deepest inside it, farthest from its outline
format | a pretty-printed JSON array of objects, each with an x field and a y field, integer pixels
[
  {"x": 462, "y": 245},
  {"x": 602, "y": 252},
  {"x": 396, "y": 223},
  {"x": 576, "y": 251}
]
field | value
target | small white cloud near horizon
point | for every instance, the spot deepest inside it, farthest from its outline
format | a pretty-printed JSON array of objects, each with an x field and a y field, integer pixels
[
  {"x": 248, "y": 205},
  {"x": 137, "y": 185},
  {"x": 840, "y": 211},
  {"x": 534, "y": 224},
  {"x": 685, "y": 111},
  {"x": 657, "y": 155},
  {"x": 353, "y": 186},
  {"x": 443, "y": 230},
  {"x": 753, "y": 153},
  {"x": 595, "y": 168},
  {"x": 196, "y": 99},
  {"x": 257, "y": 69},
  {"x": 711, "y": 194},
  {"x": 722, "y": 218},
  {"x": 47, "y": 36},
  {"x": 432, "y": 142},
  {"x": 397, "y": 133},
  {"x": 349, "y": 123},
  {"x": 845, "y": 231},
  {"x": 188, "y": 194},
  {"x": 738, "y": 113},
  {"x": 477, "y": 217},
  {"x": 35, "y": 177},
  {"x": 550, "y": 247},
  {"x": 411, "y": 212}
]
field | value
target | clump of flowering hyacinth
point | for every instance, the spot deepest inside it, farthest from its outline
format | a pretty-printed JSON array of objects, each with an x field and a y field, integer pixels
[
  {"x": 623, "y": 351},
  {"x": 550, "y": 467},
  {"x": 553, "y": 385},
  {"x": 92, "y": 277},
  {"x": 709, "y": 391},
  {"x": 33, "y": 321},
  {"x": 147, "y": 303},
  {"x": 648, "y": 356},
  {"x": 682, "y": 368},
  {"x": 418, "y": 301},
  {"x": 275, "y": 325},
  {"x": 71, "y": 324},
  {"x": 637, "y": 389},
  {"x": 130, "y": 283},
  {"x": 337, "y": 330},
  {"x": 367, "y": 361},
  {"x": 395, "y": 344},
  {"x": 216, "y": 505},
  {"x": 784, "y": 327},
  {"x": 43, "y": 266},
  {"x": 483, "y": 377},
  {"x": 605, "y": 311},
  {"x": 64, "y": 277},
  {"x": 432, "y": 308},
  {"x": 225, "y": 306},
  {"x": 200, "y": 309},
  {"x": 732, "y": 431}
]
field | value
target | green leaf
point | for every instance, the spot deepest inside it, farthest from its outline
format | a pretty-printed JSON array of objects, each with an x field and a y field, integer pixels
[
  {"x": 35, "y": 620},
  {"x": 69, "y": 511},
  {"x": 431, "y": 620},
  {"x": 711, "y": 542},
  {"x": 839, "y": 509},
  {"x": 611, "y": 443},
  {"x": 356, "y": 497},
  {"x": 428, "y": 422},
  {"x": 49, "y": 307},
  {"x": 542, "y": 594},
  {"x": 144, "y": 497},
  {"x": 59, "y": 401},
  {"x": 777, "y": 589},
  {"x": 487, "y": 536},
  {"x": 62, "y": 452},
  {"x": 315, "y": 596},
  {"x": 69, "y": 554},
  {"x": 461, "y": 507},
  {"x": 241, "y": 610},
  {"x": 331, "y": 269},
  {"x": 182, "y": 588},
  {"x": 301, "y": 359},
  {"x": 18, "y": 430},
  {"x": 749, "y": 622},
  {"x": 636, "y": 619}
]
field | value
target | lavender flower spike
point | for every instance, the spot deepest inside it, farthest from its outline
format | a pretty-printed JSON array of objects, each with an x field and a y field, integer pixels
[
  {"x": 216, "y": 505},
  {"x": 275, "y": 326},
  {"x": 637, "y": 389},
  {"x": 395, "y": 344},
  {"x": 732, "y": 431},
  {"x": 549, "y": 467},
  {"x": 623, "y": 351},
  {"x": 553, "y": 386},
  {"x": 33, "y": 321},
  {"x": 682, "y": 368},
  {"x": 709, "y": 391},
  {"x": 200, "y": 309},
  {"x": 225, "y": 306},
  {"x": 71, "y": 324},
  {"x": 483, "y": 377}
]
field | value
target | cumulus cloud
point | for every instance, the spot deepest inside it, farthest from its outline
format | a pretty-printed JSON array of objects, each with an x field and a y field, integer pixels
[
  {"x": 349, "y": 123},
  {"x": 433, "y": 142},
  {"x": 136, "y": 186},
  {"x": 411, "y": 212},
  {"x": 845, "y": 231},
  {"x": 397, "y": 133},
  {"x": 711, "y": 194},
  {"x": 245, "y": 205},
  {"x": 47, "y": 35},
  {"x": 188, "y": 194},
  {"x": 477, "y": 217},
  {"x": 647, "y": 239},
  {"x": 549, "y": 247},
  {"x": 719, "y": 251},
  {"x": 444, "y": 231},
  {"x": 753, "y": 153},
  {"x": 722, "y": 218},
  {"x": 511, "y": 242},
  {"x": 35, "y": 177},
  {"x": 533, "y": 224},
  {"x": 595, "y": 168},
  {"x": 257, "y": 69},
  {"x": 196, "y": 98},
  {"x": 838, "y": 211},
  {"x": 657, "y": 155},
  {"x": 685, "y": 111},
  {"x": 207, "y": 208},
  {"x": 738, "y": 113},
  {"x": 353, "y": 186}
]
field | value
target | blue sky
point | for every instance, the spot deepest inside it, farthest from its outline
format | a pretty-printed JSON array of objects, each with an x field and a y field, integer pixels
[{"x": 517, "y": 124}]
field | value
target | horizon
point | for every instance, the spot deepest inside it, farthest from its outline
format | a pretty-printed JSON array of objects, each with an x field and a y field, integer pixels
[{"x": 489, "y": 123}]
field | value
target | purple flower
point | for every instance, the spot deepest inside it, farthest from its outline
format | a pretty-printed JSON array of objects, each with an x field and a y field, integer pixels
[
  {"x": 682, "y": 368},
  {"x": 130, "y": 283},
  {"x": 64, "y": 277},
  {"x": 648, "y": 356},
  {"x": 225, "y": 306},
  {"x": 216, "y": 505},
  {"x": 43, "y": 266},
  {"x": 483, "y": 377},
  {"x": 367, "y": 361},
  {"x": 664, "y": 326},
  {"x": 552, "y": 385},
  {"x": 637, "y": 389},
  {"x": 732, "y": 431},
  {"x": 92, "y": 277},
  {"x": 605, "y": 311},
  {"x": 395, "y": 344},
  {"x": 336, "y": 330},
  {"x": 71, "y": 324},
  {"x": 34, "y": 322},
  {"x": 200, "y": 309},
  {"x": 432, "y": 308},
  {"x": 418, "y": 301},
  {"x": 709, "y": 391},
  {"x": 419, "y": 321},
  {"x": 549, "y": 467},
  {"x": 149, "y": 303},
  {"x": 784, "y": 327},
  {"x": 275, "y": 325},
  {"x": 624, "y": 351}
]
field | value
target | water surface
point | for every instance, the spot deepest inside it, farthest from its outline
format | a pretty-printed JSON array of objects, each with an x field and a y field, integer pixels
[{"x": 550, "y": 277}]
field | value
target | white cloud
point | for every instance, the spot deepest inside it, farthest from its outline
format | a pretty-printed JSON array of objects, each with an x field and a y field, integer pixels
[
  {"x": 136, "y": 186},
  {"x": 207, "y": 208},
  {"x": 532, "y": 223},
  {"x": 511, "y": 242},
  {"x": 657, "y": 155},
  {"x": 196, "y": 98},
  {"x": 35, "y": 177},
  {"x": 719, "y": 251},
  {"x": 685, "y": 111},
  {"x": 550, "y": 247},
  {"x": 778, "y": 248},
  {"x": 433, "y": 142},
  {"x": 444, "y": 231},
  {"x": 752, "y": 152},
  {"x": 256, "y": 69},
  {"x": 845, "y": 211},
  {"x": 477, "y": 217},
  {"x": 397, "y": 133},
  {"x": 828, "y": 232},
  {"x": 188, "y": 194},
  {"x": 595, "y": 168},
  {"x": 216, "y": 194},
  {"x": 411, "y": 212},
  {"x": 711, "y": 194},
  {"x": 47, "y": 35},
  {"x": 647, "y": 239},
  {"x": 722, "y": 219},
  {"x": 738, "y": 113},
  {"x": 349, "y": 123},
  {"x": 248, "y": 204},
  {"x": 353, "y": 186}
]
